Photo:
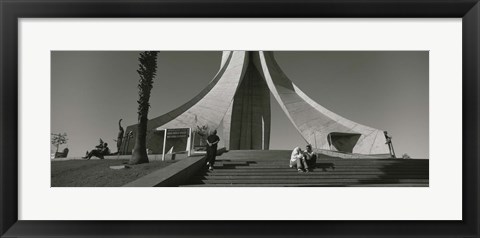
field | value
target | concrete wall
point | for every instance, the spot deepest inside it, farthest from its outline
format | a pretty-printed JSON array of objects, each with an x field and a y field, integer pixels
[{"x": 172, "y": 175}]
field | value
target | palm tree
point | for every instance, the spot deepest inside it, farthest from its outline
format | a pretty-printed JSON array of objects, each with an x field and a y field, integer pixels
[{"x": 147, "y": 71}]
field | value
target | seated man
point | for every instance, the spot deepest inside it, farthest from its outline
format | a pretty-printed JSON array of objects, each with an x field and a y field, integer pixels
[
  {"x": 298, "y": 160},
  {"x": 100, "y": 152},
  {"x": 100, "y": 145},
  {"x": 310, "y": 157},
  {"x": 63, "y": 154}
]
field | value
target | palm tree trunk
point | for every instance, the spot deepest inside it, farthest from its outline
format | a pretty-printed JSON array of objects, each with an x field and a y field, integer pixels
[
  {"x": 139, "y": 155},
  {"x": 147, "y": 71}
]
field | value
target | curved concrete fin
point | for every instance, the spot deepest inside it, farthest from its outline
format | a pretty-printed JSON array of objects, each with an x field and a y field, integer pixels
[
  {"x": 206, "y": 108},
  {"x": 225, "y": 57},
  {"x": 210, "y": 106},
  {"x": 313, "y": 121}
]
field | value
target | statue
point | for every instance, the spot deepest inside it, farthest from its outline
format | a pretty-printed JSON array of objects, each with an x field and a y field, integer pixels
[
  {"x": 120, "y": 136},
  {"x": 389, "y": 143}
]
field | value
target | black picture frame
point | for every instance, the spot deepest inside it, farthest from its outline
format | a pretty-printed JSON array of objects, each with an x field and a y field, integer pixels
[{"x": 12, "y": 10}]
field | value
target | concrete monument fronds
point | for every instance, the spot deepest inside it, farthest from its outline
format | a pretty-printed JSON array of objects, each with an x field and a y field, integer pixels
[{"x": 238, "y": 99}]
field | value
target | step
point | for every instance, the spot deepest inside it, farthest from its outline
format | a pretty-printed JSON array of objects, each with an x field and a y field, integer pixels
[
  {"x": 389, "y": 163},
  {"x": 235, "y": 159},
  {"x": 320, "y": 155},
  {"x": 311, "y": 181},
  {"x": 309, "y": 185},
  {"x": 231, "y": 166},
  {"x": 280, "y": 169},
  {"x": 287, "y": 173},
  {"x": 320, "y": 162},
  {"x": 352, "y": 168},
  {"x": 313, "y": 176},
  {"x": 286, "y": 160},
  {"x": 281, "y": 158}
]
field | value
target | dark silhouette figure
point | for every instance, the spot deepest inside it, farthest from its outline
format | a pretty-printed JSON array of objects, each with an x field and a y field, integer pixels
[
  {"x": 100, "y": 145},
  {"x": 390, "y": 144},
  {"x": 310, "y": 157},
  {"x": 120, "y": 136},
  {"x": 100, "y": 151},
  {"x": 212, "y": 144},
  {"x": 63, "y": 154}
]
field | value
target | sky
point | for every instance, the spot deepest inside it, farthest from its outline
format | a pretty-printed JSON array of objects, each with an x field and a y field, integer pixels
[{"x": 387, "y": 90}]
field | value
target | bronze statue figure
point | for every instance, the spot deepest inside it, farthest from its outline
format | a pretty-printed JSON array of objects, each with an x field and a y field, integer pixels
[{"x": 120, "y": 136}]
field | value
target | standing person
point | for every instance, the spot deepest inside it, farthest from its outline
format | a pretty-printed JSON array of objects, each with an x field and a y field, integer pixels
[
  {"x": 310, "y": 157},
  {"x": 298, "y": 160},
  {"x": 212, "y": 143}
]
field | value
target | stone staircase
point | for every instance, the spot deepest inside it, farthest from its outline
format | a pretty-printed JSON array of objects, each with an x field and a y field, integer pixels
[{"x": 257, "y": 168}]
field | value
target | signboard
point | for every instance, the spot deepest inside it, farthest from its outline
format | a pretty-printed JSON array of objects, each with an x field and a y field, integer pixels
[
  {"x": 178, "y": 133},
  {"x": 176, "y": 140}
]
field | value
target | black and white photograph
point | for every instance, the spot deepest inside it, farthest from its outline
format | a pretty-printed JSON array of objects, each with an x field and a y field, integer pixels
[{"x": 239, "y": 118}]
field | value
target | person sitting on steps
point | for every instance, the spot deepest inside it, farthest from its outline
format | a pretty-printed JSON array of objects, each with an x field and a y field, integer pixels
[
  {"x": 310, "y": 157},
  {"x": 297, "y": 160}
]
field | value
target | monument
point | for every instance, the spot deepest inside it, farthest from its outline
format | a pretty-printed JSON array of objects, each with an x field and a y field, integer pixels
[{"x": 238, "y": 100}]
